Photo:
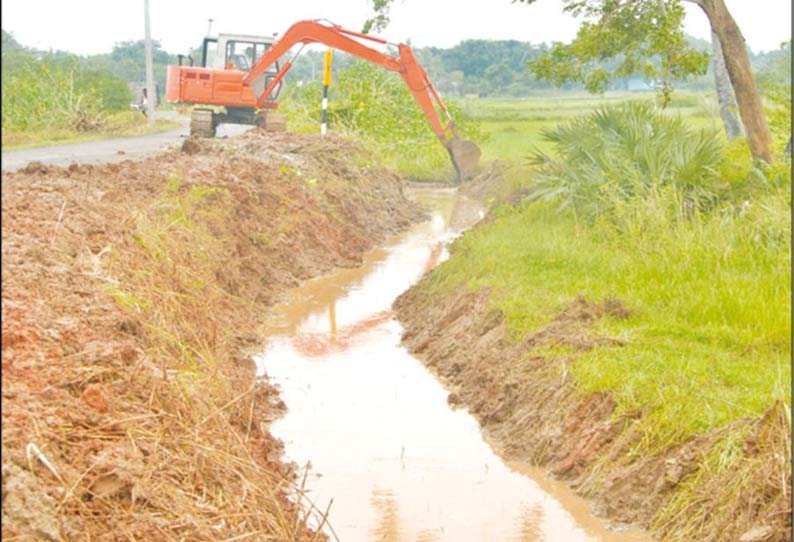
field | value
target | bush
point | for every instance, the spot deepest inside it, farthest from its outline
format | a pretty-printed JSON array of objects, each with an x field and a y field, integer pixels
[
  {"x": 54, "y": 92},
  {"x": 775, "y": 83},
  {"x": 627, "y": 152},
  {"x": 375, "y": 105}
]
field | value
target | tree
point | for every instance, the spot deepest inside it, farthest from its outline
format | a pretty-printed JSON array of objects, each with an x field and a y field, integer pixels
[
  {"x": 8, "y": 42},
  {"x": 647, "y": 35},
  {"x": 737, "y": 63},
  {"x": 499, "y": 74},
  {"x": 725, "y": 95},
  {"x": 380, "y": 18},
  {"x": 127, "y": 61},
  {"x": 643, "y": 37}
]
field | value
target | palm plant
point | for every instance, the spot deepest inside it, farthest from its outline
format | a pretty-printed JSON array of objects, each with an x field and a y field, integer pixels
[{"x": 621, "y": 153}]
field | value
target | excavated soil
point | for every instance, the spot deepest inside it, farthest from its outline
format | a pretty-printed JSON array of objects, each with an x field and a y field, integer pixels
[
  {"x": 131, "y": 291},
  {"x": 531, "y": 412}
]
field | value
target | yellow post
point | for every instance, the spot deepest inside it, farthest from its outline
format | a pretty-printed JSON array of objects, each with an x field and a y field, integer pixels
[
  {"x": 329, "y": 55},
  {"x": 326, "y": 83}
]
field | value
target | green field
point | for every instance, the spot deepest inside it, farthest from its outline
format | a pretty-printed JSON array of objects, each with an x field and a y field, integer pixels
[{"x": 513, "y": 126}]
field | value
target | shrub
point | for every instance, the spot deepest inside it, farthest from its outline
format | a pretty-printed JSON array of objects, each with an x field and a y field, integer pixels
[
  {"x": 52, "y": 91},
  {"x": 627, "y": 152},
  {"x": 376, "y": 106}
]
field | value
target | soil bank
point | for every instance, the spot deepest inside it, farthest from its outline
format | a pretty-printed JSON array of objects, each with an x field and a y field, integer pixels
[
  {"x": 131, "y": 292},
  {"x": 532, "y": 413}
]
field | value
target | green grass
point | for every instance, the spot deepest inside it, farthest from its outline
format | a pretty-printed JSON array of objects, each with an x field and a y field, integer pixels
[
  {"x": 122, "y": 124},
  {"x": 513, "y": 126},
  {"x": 708, "y": 340}
]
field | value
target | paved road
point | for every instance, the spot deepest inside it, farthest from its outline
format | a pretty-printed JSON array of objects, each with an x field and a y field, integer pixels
[{"x": 91, "y": 152}]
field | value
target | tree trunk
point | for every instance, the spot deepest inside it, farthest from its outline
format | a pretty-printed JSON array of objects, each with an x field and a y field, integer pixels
[
  {"x": 725, "y": 95},
  {"x": 737, "y": 63}
]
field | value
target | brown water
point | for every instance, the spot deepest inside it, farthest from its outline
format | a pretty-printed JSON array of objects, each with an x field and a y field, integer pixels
[{"x": 373, "y": 424}]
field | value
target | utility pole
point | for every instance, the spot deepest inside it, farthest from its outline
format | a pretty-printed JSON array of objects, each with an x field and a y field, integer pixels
[{"x": 151, "y": 92}]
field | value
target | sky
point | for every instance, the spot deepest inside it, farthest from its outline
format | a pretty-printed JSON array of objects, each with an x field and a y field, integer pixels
[{"x": 93, "y": 26}]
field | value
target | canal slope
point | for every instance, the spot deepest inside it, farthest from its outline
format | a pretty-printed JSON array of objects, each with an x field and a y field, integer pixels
[{"x": 372, "y": 429}]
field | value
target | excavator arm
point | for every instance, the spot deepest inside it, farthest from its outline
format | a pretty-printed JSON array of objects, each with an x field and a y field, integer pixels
[{"x": 464, "y": 154}]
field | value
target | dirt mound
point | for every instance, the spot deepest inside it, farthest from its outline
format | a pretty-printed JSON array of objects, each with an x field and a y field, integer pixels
[
  {"x": 130, "y": 292},
  {"x": 497, "y": 184},
  {"x": 529, "y": 408},
  {"x": 486, "y": 184}
]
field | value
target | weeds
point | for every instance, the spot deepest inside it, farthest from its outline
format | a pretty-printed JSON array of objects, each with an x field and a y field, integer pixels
[
  {"x": 168, "y": 280},
  {"x": 743, "y": 480},
  {"x": 52, "y": 92},
  {"x": 376, "y": 106}
]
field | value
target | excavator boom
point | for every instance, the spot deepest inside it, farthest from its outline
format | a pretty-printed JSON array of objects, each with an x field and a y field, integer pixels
[{"x": 464, "y": 154}]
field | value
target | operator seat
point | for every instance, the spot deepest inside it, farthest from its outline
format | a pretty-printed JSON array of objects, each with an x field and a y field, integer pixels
[{"x": 240, "y": 62}]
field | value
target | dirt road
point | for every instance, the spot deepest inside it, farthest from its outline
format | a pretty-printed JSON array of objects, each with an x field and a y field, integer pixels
[{"x": 109, "y": 150}]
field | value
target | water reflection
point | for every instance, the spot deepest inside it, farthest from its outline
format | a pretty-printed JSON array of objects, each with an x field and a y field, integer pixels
[
  {"x": 530, "y": 526},
  {"x": 387, "y": 528}
]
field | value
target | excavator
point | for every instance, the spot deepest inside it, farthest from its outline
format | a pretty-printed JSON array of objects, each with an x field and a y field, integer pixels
[{"x": 242, "y": 74}]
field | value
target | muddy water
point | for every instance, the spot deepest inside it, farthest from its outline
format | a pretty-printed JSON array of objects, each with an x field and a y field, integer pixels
[{"x": 374, "y": 427}]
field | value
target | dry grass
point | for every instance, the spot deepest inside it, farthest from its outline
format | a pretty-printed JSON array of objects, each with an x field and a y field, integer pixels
[
  {"x": 131, "y": 293},
  {"x": 743, "y": 481}
]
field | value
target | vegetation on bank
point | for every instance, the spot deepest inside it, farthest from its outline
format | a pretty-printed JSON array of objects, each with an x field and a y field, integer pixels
[
  {"x": 655, "y": 210},
  {"x": 679, "y": 226},
  {"x": 57, "y": 97},
  {"x": 376, "y": 107}
]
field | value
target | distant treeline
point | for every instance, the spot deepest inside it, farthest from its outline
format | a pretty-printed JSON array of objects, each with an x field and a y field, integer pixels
[
  {"x": 126, "y": 60},
  {"x": 499, "y": 68},
  {"x": 481, "y": 67}
]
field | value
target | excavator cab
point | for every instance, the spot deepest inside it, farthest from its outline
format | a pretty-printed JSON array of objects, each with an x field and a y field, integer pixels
[
  {"x": 238, "y": 52},
  {"x": 226, "y": 59}
]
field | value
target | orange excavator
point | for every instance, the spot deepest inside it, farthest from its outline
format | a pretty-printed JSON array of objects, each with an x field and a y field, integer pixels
[{"x": 233, "y": 74}]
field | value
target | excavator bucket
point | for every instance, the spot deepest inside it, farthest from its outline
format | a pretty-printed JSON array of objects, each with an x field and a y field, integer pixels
[{"x": 465, "y": 156}]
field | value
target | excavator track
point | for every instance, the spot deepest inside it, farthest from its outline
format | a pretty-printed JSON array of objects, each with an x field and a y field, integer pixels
[
  {"x": 202, "y": 123},
  {"x": 272, "y": 122}
]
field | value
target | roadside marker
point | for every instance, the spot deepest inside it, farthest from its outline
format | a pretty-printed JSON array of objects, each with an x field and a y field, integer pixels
[{"x": 326, "y": 83}]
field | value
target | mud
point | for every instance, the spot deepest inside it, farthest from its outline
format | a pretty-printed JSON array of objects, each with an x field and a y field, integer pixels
[
  {"x": 130, "y": 292},
  {"x": 530, "y": 410}
]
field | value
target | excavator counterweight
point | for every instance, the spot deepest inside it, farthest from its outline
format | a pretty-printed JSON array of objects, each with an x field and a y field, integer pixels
[{"x": 246, "y": 84}]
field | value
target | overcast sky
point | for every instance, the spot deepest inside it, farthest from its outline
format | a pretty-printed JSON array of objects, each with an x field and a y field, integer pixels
[{"x": 93, "y": 26}]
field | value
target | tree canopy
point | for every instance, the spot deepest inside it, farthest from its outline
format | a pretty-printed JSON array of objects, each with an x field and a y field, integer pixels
[{"x": 644, "y": 37}]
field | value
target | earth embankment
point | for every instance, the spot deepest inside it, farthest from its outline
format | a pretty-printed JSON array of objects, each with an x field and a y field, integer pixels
[
  {"x": 132, "y": 294},
  {"x": 523, "y": 391}
]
